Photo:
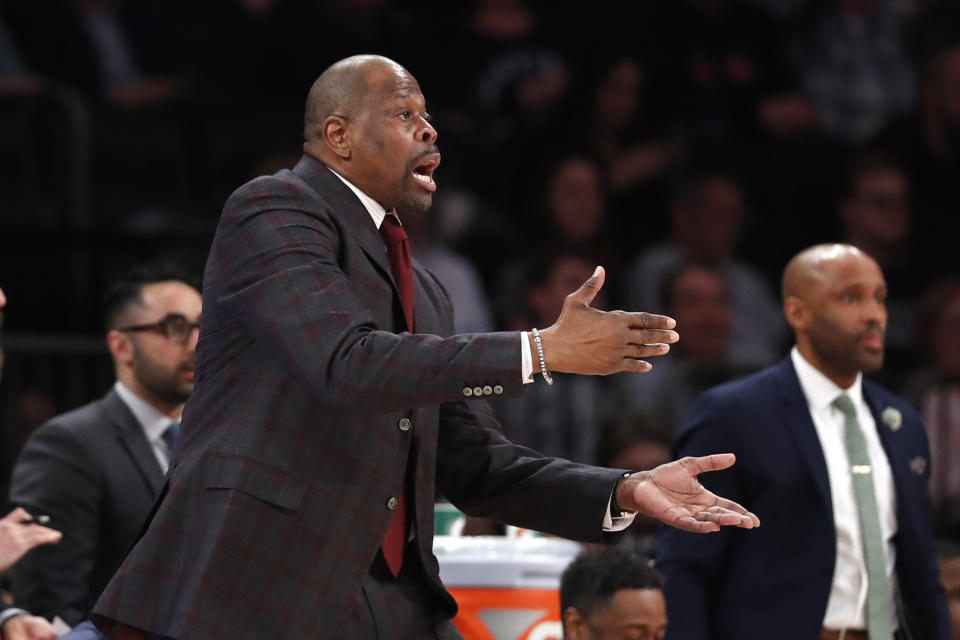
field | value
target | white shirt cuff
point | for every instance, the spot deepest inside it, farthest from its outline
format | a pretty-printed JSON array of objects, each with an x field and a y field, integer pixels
[
  {"x": 9, "y": 613},
  {"x": 616, "y": 524},
  {"x": 526, "y": 359}
]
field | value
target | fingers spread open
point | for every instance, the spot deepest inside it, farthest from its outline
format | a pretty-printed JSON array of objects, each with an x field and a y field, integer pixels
[
  {"x": 715, "y": 462},
  {"x": 632, "y": 364},
  {"x": 724, "y": 518},
  {"x": 688, "y": 523},
  {"x": 653, "y": 336},
  {"x": 641, "y": 320},
  {"x": 645, "y": 350}
]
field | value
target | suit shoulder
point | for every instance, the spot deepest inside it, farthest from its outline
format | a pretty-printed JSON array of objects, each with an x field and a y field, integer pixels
[
  {"x": 742, "y": 391},
  {"x": 81, "y": 422},
  {"x": 282, "y": 190},
  {"x": 883, "y": 398}
]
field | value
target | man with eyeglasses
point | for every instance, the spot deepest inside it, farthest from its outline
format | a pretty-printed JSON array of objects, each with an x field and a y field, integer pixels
[{"x": 97, "y": 470}]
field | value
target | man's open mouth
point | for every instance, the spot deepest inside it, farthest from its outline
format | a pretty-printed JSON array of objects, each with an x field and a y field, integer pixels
[{"x": 423, "y": 172}]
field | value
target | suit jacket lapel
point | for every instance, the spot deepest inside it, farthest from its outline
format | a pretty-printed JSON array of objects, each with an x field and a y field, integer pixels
[
  {"x": 896, "y": 454},
  {"x": 132, "y": 438},
  {"x": 797, "y": 419},
  {"x": 350, "y": 211}
]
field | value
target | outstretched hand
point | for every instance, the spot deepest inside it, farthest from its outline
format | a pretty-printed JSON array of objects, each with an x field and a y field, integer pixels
[
  {"x": 672, "y": 494},
  {"x": 17, "y": 538},
  {"x": 589, "y": 341}
]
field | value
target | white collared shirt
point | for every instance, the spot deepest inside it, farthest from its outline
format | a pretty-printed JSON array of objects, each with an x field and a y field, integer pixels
[
  {"x": 153, "y": 422},
  {"x": 846, "y": 607},
  {"x": 378, "y": 213}
]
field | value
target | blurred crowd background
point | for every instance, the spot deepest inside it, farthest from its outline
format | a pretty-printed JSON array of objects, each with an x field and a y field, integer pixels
[{"x": 691, "y": 147}]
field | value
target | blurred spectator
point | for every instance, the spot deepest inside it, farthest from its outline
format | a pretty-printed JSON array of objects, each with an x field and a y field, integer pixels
[
  {"x": 636, "y": 442},
  {"x": 471, "y": 310},
  {"x": 876, "y": 217},
  {"x": 935, "y": 390},
  {"x": 16, "y": 538},
  {"x": 928, "y": 145},
  {"x": 132, "y": 62},
  {"x": 607, "y": 592},
  {"x": 948, "y": 560},
  {"x": 572, "y": 216},
  {"x": 706, "y": 215},
  {"x": 562, "y": 419},
  {"x": 698, "y": 298},
  {"x": 855, "y": 66},
  {"x": 97, "y": 470}
]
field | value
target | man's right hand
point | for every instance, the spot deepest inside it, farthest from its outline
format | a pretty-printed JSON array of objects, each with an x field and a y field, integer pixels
[{"x": 588, "y": 341}]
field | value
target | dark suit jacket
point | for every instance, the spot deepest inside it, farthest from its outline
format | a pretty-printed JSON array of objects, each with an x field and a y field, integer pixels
[
  {"x": 94, "y": 473},
  {"x": 290, "y": 445},
  {"x": 740, "y": 584}
]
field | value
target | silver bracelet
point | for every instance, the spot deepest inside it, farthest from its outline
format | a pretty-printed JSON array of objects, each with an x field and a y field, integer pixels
[{"x": 543, "y": 363}]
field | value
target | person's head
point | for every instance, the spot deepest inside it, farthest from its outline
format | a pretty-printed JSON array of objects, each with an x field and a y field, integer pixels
[
  {"x": 608, "y": 593},
  {"x": 551, "y": 277},
  {"x": 706, "y": 215},
  {"x": 834, "y": 297},
  {"x": 875, "y": 210},
  {"x": 575, "y": 199},
  {"x": 617, "y": 96},
  {"x": 698, "y": 298},
  {"x": 367, "y": 119},
  {"x": 942, "y": 89},
  {"x": 151, "y": 317},
  {"x": 938, "y": 327},
  {"x": 948, "y": 560}
]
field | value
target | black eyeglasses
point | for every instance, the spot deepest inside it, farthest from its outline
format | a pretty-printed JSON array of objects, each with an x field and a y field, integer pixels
[{"x": 174, "y": 326}]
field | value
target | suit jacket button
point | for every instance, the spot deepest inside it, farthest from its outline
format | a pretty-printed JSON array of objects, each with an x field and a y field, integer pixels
[
  {"x": 404, "y": 424},
  {"x": 392, "y": 503},
  {"x": 487, "y": 390},
  {"x": 478, "y": 391},
  {"x": 467, "y": 391},
  {"x": 497, "y": 389}
]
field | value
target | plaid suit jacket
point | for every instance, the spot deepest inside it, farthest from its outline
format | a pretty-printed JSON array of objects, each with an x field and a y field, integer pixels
[{"x": 276, "y": 501}]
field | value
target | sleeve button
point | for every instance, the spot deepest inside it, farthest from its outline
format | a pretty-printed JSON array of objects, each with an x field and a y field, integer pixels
[
  {"x": 487, "y": 390},
  {"x": 497, "y": 389},
  {"x": 404, "y": 424},
  {"x": 467, "y": 391},
  {"x": 392, "y": 503}
]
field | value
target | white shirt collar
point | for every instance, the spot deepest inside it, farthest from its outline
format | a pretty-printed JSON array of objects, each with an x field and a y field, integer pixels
[
  {"x": 153, "y": 421},
  {"x": 820, "y": 390},
  {"x": 374, "y": 208}
]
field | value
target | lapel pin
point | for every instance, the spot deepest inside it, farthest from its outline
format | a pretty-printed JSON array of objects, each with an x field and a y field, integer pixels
[
  {"x": 918, "y": 465},
  {"x": 892, "y": 417}
]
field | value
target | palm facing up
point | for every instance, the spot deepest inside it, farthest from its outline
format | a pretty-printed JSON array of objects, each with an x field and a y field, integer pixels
[{"x": 672, "y": 494}]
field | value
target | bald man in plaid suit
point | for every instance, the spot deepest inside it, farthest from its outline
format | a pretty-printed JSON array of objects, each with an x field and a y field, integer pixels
[{"x": 319, "y": 416}]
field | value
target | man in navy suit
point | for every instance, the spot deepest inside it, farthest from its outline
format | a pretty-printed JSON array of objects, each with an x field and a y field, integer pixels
[{"x": 834, "y": 466}]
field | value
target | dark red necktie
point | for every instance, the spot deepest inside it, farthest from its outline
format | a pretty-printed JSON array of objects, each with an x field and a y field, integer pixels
[{"x": 398, "y": 252}]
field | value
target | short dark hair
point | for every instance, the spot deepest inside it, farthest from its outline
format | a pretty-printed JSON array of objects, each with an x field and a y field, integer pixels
[
  {"x": 126, "y": 291},
  {"x": 597, "y": 574}
]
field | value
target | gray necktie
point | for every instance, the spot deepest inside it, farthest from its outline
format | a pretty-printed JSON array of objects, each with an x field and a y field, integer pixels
[
  {"x": 169, "y": 437},
  {"x": 879, "y": 589}
]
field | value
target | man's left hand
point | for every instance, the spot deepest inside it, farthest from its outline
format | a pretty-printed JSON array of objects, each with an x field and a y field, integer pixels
[
  {"x": 672, "y": 494},
  {"x": 28, "y": 627}
]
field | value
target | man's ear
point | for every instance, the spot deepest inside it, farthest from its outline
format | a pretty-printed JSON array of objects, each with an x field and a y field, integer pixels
[
  {"x": 797, "y": 313},
  {"x": 120, "y": 347},
  {"x": 336, "y": 135},
  {"x": 574, "y": 624}
]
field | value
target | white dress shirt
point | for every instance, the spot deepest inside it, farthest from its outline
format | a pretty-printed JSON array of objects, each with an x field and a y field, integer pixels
[
  {"x": 379, "y": 213},
  {"x": 152, "y": 421},
  {"x": 846, "y": 607}
]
